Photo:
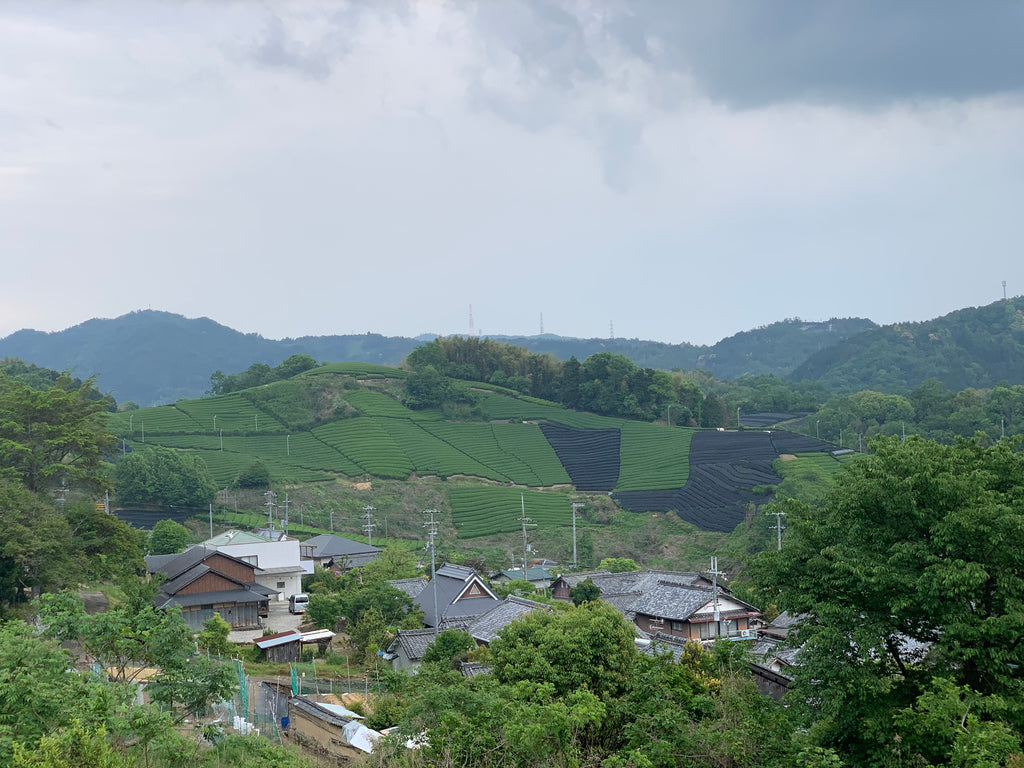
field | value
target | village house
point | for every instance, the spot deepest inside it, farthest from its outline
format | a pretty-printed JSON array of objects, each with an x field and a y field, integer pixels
[
  {"x": 329, "y": 728},
  {"x": 279, "y": 562},
  {"x": 407, "y": 649},
  {"x": 203, "y": 581},
  {"x": 535, "y": 575},
  {"x": 683, "y": 604},
  {"x": 339, "y": 553},
  {"x": 459, "y": 595}
]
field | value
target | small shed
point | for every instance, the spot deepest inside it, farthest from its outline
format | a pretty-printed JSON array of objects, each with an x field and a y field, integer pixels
[{"x": 282, "y": 647}]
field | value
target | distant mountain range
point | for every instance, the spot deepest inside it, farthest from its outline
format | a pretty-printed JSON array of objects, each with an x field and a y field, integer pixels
[{"x": 155, "y": 357}]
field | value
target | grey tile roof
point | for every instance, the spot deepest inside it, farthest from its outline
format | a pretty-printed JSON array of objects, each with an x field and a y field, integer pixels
[
  {"x": 474, "y": 668},
  {"x": 414, "y": 642},
  {"x": 573, "y": 579},
  {"x": 672, "y": 600},
  {"x": 486, "y": 627},
  {"x": 211, "y": 598},
  {"x": 452, "y": 581},
  {"x": 533, "y": 573},
  {"x": 328, "y": 545},
  {"x": 411, "y": 587}
]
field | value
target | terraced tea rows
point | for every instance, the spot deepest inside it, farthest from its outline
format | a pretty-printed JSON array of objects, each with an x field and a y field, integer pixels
[
  {"x": 653, "y": 457},
  {"x": 527, "y": 443},
  {"x": 487, "y": 510},
  {"x": 231, "y": 412},
  {"x": 163, "y": 419},
  {"x": 359, "y": 370},
  {"x": 590, "y": 456},
  {"x": 433, "y": 456},
  {"x": 368, "y": 444}
]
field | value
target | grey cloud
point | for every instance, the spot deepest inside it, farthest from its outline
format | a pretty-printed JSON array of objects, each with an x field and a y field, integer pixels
[
  {"x": 862, "y": 53},
  {"x": 277, "y": 50}
]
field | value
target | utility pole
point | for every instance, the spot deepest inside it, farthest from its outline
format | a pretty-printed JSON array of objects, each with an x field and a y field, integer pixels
[
  {"x": 778, "y": 527},
  {"x": 817, "y": 432},
  {"x": 271, "y": 498},
  {"x": 286, "y": 514},
  {"x": 526, "y": 522},
  {"x": 575, "y": 505},
  {"x": 211, "y": 521},
  {"x": 715, "y": 573},
  {"x": 737, "y": 417},
  {"x": 431, "y": 527},
  {"x": 368, "y": 526}
]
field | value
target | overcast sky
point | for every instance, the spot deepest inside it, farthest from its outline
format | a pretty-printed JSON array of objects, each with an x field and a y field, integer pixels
[{"x": 679, "y": 170}]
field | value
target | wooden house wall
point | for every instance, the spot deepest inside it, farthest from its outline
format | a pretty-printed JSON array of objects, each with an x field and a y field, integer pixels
[
  {"x": 288, "y": 652},
  {"x": 208, "y": 582},
  {"x": 244, "y": 572}
]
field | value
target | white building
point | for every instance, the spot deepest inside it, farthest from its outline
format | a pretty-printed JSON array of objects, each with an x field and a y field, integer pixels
[{"x": 279, "y": 564}]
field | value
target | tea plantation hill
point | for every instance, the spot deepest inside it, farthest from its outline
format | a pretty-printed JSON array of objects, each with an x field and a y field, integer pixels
[
  {"x": 346, "y": 421},
  {"x": 152, "y": 357}
]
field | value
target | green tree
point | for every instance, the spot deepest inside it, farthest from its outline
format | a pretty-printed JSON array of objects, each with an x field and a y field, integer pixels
[
  {"x": 36, "y": 546},
  {"x": 426, "y": 388},
  {"x": 589, "y": 646},
  {"x": 164, "y": 476},
  {"x": 256, "y": 475},
  {"x": 49, "y": 435},
  {"x": 619, "y": 564},
  {"x": 214, "y": 637},
  {"x": 168, "y": 538},
  {"x": 584, "y": 592},
  {"x": 449, "y": 648},
  {"x": 909, "y": 573},
  {"x": 113, "y": 547},
  {"x": 127, "y": 639}
]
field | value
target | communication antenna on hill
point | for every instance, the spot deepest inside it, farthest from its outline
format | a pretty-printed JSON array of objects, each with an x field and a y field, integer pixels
[
  {"x": 472, "y": 331},
  {"x": 542, "y": 323},
  {"x": 1004, "y": 290},
  {"x": 526, "y": 523},
  {"x": 368, "y": 526},
  {"x": 431, "y": 526},
  {"x": 611, "y": 330}
]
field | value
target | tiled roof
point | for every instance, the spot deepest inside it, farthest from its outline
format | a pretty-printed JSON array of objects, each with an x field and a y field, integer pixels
[
  {"x": 533, "y": 573},
  {"x": 573, "y": 579},
  {"x": 485, "y": 628},
  {"x": 451, "y": 582},
  {"x": 474, "y": 668},
  {"x": 328, "y": 545},
  {"x": 411, "y": 587},
  {"x": 211, "y": 598},
  {"x": 414, "y": 642}
]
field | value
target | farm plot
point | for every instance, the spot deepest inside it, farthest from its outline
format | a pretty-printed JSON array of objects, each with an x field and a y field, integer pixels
[
  {"x": 763, "y": 420},
  {"x": 713, "y": 447},
  {"x": 487, "y": 510},
  {"x": 292, "y": 402},
  {"x": 229, "y": 412},
  {"x": 653, "y": 457},
  {"x": 367, "y": 443},
  {"x": 227, "y": 465},
  {"x": 495, "y": 407},
  {"x": 590, "y": 456},
  {"x": 359, "y": 370},
  {"x": 791, "y": 442},
  {"x": 527, "y": 443},
  {"x": 163, "y": 419},
  {"x": 478, "y": 441},
  {"x": 371, "y": 403},
  {"x": 432, "y": 455}
]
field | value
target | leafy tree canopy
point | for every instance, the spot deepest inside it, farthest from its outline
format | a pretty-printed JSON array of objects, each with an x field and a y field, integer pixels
[
  {"x": 258, "y": 374},
  {"x": 49, "y": 436},
  {"x": 164, "y": 476},
  {"x": 908, "y": 576},
  {"x": 619, "y": 564},
  {"x": 168, "y": 537}
]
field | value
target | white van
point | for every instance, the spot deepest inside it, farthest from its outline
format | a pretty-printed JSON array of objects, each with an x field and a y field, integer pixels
[{"x": 298, "y": 603}]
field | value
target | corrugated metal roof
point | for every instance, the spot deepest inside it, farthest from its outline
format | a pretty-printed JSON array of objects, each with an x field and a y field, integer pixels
[{"x": 281, "y": 638}]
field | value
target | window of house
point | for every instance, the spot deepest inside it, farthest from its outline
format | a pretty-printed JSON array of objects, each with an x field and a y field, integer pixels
[
  {"x": 707, "y": 630},
  {"x": 280, "y": 585},
  {"x": 676, "y": 626}
]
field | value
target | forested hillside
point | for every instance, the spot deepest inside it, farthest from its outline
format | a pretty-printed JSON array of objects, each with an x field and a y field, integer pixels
[
  {"x": 155, "y": 357},
  {"x": 976, "y": 347}
]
